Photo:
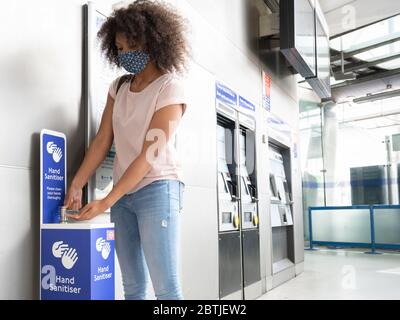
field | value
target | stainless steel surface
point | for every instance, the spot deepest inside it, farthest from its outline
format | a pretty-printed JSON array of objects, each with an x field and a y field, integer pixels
[
  {"x": 63, "y": 214},
  {"x": 280, "y": 244},
  {"x": 251, "y": 259},
  {"x": 230, "y": 263}
]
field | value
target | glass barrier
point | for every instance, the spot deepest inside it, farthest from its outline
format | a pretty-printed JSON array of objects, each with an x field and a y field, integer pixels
[
  {"x": 387, "y": 225},
  {"x": 342, "y": 225},
  {"x": 375, "y": 226}
]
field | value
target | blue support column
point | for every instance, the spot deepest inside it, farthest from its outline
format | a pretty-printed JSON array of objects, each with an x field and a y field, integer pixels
[{"x": 372, "y": 224}]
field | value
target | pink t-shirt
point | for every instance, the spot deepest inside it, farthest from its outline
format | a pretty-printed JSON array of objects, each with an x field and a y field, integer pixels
[{"x": 133, "y": 112}]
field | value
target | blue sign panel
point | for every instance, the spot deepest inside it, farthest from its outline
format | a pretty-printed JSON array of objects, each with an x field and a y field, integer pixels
[
  {"x": 65, "y": 264},
  {"x": 102, "y": 267},
  {"x": 53, "y": 175},
  {"x": 243, "y": 103},
  {"x": 226, "y": 95},
  {"x": 77, "y": 264}
]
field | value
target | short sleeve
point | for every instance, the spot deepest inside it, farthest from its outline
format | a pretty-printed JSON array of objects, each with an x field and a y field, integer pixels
[
  {"x": 172, "y": 93},
  {"x": 113, "y": 88}
]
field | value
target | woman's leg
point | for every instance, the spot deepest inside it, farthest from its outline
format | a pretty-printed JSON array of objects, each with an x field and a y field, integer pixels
[
  {"x": 158, "y": 206},
  {"x": 129, "y": 250}
]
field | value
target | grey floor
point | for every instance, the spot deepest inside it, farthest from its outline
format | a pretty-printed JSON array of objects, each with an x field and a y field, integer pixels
[{"x": 340, "y": 274}]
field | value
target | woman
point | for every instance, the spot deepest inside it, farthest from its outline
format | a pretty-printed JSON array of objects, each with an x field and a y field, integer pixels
[{"x": 141, "y": 117}]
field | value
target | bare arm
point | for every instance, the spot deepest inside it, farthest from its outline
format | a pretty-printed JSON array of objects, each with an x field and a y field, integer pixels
[
  {"x": 96, "y": 154},
  {"x": 162, "y": 128},
  {"x": 98, "y": 148}
]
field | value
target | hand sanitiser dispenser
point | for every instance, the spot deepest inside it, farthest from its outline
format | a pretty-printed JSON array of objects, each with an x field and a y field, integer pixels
[
  {"x": 64, "y": 212},
  {"x": 76, "y": 258}
]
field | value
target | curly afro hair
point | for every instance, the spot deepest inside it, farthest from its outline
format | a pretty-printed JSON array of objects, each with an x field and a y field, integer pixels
[{"x": 154, "y": 25}]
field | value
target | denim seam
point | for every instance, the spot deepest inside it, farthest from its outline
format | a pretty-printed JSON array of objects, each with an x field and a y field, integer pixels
[
  {"x": 168, "y": 229},
  {"x": 179, "y": 197},
  {"x": 169, "y": 201}
]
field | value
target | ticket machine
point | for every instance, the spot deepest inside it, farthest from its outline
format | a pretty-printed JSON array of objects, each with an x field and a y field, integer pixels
[
  {"x": 238, "y": 233},
  {"x": 229, "y": 244},
  {"x": 281, "y": 208},
  {"x": 250, "y": 234}
]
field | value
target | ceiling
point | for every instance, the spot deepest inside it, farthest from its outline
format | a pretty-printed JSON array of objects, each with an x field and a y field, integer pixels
[
  {"x": 370, "y": 57},
  {"x": 367, "y": 33},
  {"x": 365, "y": 45},
  {"x": 338, "y": 13}
]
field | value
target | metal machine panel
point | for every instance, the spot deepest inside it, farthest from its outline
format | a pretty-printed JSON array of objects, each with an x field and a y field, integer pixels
[
  {"x": 283, "y": 275},
  {"x": 251, "y": 257},
  {"x": 230, "y": 265},
  {"x": 279, "y": 239}
]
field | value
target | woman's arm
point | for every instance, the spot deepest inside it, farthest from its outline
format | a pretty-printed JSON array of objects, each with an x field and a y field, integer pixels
[
  {"x": 96, "y": 154},
  {"x": 162, "y": 128}
]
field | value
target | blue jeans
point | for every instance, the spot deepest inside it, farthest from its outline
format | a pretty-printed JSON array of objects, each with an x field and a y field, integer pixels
[{"x": 147, "y": 238}]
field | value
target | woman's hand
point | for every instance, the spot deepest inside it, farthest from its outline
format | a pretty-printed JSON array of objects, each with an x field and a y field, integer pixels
[
  {"x": 90, "y": 211},
  {"x": 73, "y": 199}
]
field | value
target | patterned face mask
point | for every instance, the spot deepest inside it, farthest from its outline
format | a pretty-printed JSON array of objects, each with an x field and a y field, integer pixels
[{"x": 134, "y": 61}]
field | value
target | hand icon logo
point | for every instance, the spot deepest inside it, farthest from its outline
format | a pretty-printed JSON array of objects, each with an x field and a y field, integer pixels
[
  {"x": 57, "y": 155},
  {"x": 51, "y": 147},
  {"x": 106, "y": 250},
  {"x": 69, "y": 258},
  {"x": 59, "y": 248},
  {"x": 104, "y": 247},
  {"x": 62, "y": 251},
  {"x": 55, "y": 151},
  {"x": 99, "y": 244}
]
